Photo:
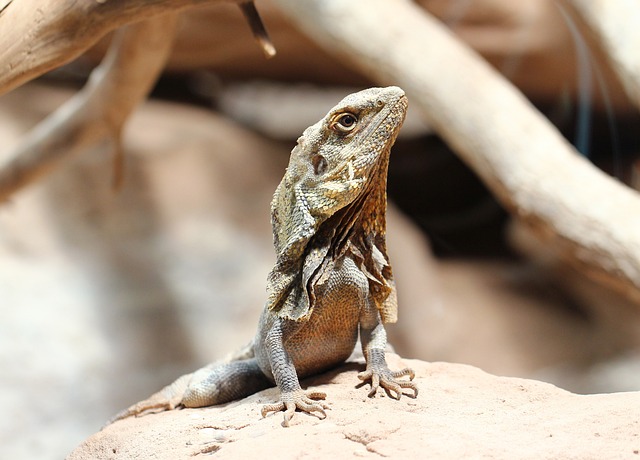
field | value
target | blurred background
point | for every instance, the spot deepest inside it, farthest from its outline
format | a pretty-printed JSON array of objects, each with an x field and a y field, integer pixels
[{"x": 106, "y": 296}]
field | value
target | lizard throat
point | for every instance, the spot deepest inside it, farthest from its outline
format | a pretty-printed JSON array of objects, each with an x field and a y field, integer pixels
[{"x": 343, "y": 234}]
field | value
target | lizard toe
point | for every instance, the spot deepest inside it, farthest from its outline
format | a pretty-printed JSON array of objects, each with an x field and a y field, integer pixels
[
  {"x": 392, "y": 388},
  {"x": 406, "y": 371},
  {"x": 315, "y": 395},
  {"x": 411, "y": 386},
  {"x": 272, "y": 408},
  {"x": 381, "y": 376},
  {"x": 304, "y": 401},
  {"x": 309, "y": 405},
  {"x": 288, "y": 413},
  {"x": 395, "y": 386}
]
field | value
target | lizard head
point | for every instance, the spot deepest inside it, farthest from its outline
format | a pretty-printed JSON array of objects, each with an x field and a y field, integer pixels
[{"x": 336, "y": 162}]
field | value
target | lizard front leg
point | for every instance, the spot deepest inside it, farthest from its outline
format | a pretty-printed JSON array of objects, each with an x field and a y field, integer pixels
[
  {"x": 284, "y": 373},
  {"x": 374, "y": 341}
]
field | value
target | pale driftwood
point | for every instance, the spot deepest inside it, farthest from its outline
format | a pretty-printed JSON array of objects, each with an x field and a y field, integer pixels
[
  {"x": 98, "y": 112},
  {"x": 41, "y": 35},
  {"x": 617, "y": 25},
  {"x": 593, "y": 220}
]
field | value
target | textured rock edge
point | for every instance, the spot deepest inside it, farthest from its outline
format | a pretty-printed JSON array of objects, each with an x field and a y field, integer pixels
[{"x": 461, "y": 411}]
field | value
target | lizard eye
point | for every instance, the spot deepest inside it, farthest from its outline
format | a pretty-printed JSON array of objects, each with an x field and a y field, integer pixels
[
  {"x": 344, "y": 122},
  {"x": 319, "y": 164}
]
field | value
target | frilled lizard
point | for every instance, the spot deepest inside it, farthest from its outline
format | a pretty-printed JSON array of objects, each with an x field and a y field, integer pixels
[{"x": 332, "y": 278}]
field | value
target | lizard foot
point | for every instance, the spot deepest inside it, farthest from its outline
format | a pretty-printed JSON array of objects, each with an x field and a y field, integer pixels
[
  {"x": 382, "y": 376},
  {"x": 168, "y": 398},
  {"x": 297, "y": 399}
]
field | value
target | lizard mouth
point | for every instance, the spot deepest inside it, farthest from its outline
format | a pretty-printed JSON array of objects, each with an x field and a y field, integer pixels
[{"x": 396, "y": 109}]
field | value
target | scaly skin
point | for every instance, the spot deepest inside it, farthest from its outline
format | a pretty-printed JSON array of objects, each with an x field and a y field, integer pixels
[{"x": 332, "y": 279}]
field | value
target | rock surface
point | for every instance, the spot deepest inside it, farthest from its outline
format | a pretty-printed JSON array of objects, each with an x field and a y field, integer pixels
[{"x": 461, "y": 412}]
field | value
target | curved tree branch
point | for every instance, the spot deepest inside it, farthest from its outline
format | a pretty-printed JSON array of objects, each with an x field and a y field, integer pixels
[
  {"x": 40, "y": 35},
  {"x": 593, "y": 219},
  {"x": 98, "y": 112}
]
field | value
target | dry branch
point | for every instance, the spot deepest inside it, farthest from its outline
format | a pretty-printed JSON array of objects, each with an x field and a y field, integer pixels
[
  {"x": 530, "y": 167},
  {"x": 40, "y": 35},
  {"x": 98, "y": 112},
  {"x": 617, "y": 25},
  {"x": 252, "y": 17}
]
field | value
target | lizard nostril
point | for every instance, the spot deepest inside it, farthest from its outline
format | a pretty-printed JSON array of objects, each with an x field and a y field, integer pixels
[{"x": 380, "y": 103}]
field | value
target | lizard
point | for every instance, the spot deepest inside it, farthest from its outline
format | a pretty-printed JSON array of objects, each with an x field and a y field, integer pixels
[{"x": 332, "y": 280}]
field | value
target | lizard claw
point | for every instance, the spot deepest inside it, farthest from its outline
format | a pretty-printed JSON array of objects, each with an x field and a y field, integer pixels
[
  {"x": 158, "y": 402},
  {"x": 298, "y": 399},
  {"x": 385, "y": 378}
]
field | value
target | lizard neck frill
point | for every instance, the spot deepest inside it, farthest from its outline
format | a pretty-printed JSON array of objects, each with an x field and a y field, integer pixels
[
  {"x": 357, "y": 231},
  {"x": 319, "y": 218}
]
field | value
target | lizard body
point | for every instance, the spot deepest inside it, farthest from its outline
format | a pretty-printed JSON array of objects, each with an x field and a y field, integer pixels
[{"x": 332, "y": 279}]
